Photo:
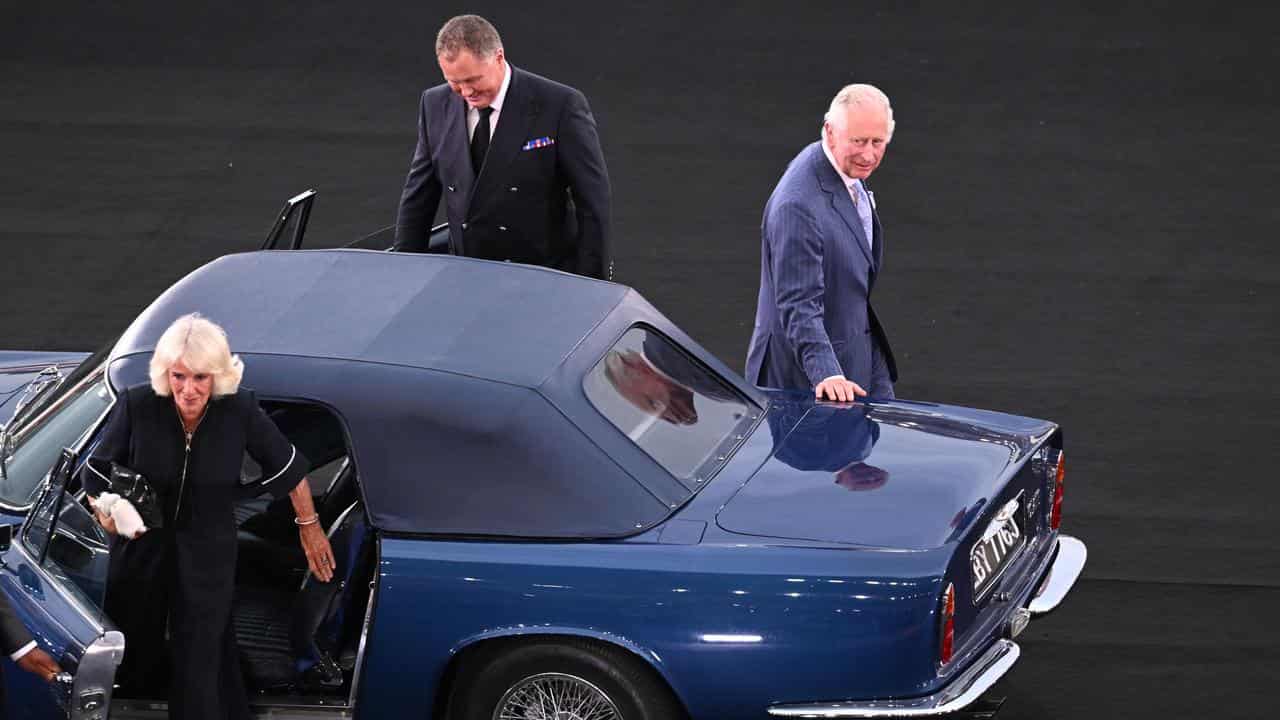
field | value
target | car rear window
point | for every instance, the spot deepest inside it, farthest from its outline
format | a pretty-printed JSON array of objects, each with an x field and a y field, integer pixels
[{"x": 685, "y": 416}]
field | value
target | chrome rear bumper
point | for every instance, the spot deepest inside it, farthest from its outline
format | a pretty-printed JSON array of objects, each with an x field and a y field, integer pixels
[
  {"x": 969, "y": 685},
  {"x": 1062, "y": 575}
]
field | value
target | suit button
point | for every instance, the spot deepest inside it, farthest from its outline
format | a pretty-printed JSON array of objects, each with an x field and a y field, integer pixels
[
  {"x": 464, "y": 226},
  {"x": 450, "y": 188},
  {"x": 503, "y": 228},
  {"x": 515, "y": 189}
]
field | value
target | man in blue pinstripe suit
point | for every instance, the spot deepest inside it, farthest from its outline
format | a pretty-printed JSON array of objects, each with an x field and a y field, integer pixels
[{"x": 821, "y": 250}]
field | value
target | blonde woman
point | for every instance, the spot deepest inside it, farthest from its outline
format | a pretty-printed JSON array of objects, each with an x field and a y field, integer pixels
[{"x": 186, "y": 432}]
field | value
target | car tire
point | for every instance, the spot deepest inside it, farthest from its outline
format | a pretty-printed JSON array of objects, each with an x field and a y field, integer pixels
[{"x": 579, "y": 675}]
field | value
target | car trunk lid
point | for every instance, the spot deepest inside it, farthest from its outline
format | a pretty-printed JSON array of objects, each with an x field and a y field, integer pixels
[{"x": 908, "y": 476}]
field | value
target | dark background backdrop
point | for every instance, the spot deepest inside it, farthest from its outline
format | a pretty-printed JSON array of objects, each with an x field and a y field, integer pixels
[{"x": 1076, "y": 200}]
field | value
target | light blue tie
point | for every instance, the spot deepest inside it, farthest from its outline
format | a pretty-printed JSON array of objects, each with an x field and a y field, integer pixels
[{"x": 863, "y": 205}]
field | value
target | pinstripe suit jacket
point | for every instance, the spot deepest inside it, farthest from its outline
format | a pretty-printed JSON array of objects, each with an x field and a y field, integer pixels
[{"x": 813, "y": 316}]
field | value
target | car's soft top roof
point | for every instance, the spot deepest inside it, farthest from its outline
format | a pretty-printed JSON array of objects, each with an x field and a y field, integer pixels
[
  {"x": 501, "y": 322},
  {"x": 459, "y": 382}
]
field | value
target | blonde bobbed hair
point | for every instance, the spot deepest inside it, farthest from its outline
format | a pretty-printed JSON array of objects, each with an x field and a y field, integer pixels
[{"x": 202, "y": 346}]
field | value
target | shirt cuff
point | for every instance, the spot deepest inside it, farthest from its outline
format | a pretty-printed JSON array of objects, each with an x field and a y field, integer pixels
[{"x": 23, "y": 651}]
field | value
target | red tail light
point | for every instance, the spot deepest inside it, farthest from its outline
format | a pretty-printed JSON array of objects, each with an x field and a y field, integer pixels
[
  {"x": 947, "y": 625},
  {"x": 1055, "y": 516}
]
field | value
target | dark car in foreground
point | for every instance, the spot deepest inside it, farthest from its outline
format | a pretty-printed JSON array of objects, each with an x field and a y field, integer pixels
[{"x": 548, "y": 502}]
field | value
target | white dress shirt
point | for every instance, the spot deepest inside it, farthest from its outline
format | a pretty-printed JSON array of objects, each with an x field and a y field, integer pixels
[
  {"x": 857, "y": 193},
  {"x": 473, "y": 114}
]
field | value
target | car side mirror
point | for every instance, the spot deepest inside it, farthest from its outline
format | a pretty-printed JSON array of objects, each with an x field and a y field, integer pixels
[{"x": 6, "y": 537}]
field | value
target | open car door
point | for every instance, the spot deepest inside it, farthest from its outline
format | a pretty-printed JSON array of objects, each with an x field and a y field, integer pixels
[{"x": 54, "y": 574}]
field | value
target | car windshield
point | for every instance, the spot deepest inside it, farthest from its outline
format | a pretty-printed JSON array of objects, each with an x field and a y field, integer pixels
[
  {"x": 681, "y": 413},
  {"x": 62, "y": 422}
]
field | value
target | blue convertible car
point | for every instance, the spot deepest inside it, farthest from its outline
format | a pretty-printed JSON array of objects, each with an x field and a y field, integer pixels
[{"x": 549, "y": 503}]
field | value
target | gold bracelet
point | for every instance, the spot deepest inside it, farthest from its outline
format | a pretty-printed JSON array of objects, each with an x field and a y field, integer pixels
[{"x": 309, "y": 521}]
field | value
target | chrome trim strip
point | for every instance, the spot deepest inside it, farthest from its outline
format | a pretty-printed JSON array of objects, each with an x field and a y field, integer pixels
[
  {"x": 155, "y": 709},
  {"x": 1062, "y": 575},
  {"x": 964, "y": 690},
  {"x": 368, "y": 619}
]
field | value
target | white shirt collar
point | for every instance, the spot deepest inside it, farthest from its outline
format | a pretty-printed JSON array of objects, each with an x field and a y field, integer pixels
[
  {"x": 502, "y": 91},
  {"x": 848, "y": 181},
  {"x": 473, "y": 114}
]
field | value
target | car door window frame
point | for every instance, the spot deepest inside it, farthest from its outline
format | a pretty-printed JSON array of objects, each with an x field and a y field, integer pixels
[{"x": 56, "y": 576}]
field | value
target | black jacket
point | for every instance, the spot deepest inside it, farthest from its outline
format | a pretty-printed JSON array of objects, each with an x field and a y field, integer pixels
[
  {"x": 542, "y": 196},
  {"x": 145, "y": 434},
  {"x": 185, "y": 571}
]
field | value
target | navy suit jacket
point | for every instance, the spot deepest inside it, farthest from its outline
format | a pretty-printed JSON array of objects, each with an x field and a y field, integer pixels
[
  {"x": 545, "y": 205},
  {"x": 813, "y": 316}
]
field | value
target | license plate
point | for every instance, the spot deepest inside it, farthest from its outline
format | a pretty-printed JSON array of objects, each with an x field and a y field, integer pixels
[{"x": 993, "y": 552}]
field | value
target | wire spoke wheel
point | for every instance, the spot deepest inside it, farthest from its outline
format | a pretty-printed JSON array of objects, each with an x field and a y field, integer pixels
[{"x": 555, "y": 696}]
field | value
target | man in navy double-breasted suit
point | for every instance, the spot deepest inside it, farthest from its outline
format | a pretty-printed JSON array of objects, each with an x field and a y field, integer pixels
[
  {"x": 821, "y": 250},
  {"x": 515, "y": 156}
]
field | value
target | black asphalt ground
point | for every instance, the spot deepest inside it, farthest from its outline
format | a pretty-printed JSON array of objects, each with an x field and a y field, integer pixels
[{"x": 1078, "y": 205}]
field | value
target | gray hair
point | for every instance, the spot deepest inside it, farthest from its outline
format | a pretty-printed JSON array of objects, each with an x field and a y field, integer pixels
[
  {"x": 860, "y": 95},
  {"x": 468, "y": 32},
  {"x": 201, "y": 345}
]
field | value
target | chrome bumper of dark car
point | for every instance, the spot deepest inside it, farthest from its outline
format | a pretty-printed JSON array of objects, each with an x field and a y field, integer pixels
[
  {"x": 969, "y": 685},
  {"x": 1062, "y": 575},
  {"x": 964, "y": 690}
]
